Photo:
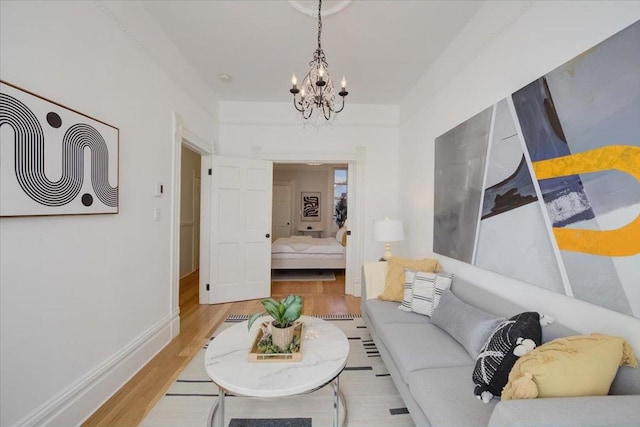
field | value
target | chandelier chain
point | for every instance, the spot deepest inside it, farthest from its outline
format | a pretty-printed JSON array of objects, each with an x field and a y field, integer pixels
[{"x": 319, "y": 23}]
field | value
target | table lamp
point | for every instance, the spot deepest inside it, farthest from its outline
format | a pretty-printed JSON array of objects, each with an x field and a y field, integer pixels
[{"x": 387, "y": 231}]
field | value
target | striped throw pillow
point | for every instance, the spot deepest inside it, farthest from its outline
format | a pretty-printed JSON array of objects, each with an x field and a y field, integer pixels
[
  {"x": 427, "y": 290},
  {"x": 409, "y": 277}
]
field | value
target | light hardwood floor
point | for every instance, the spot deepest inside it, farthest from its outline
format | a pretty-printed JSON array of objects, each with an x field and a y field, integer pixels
[{"x": 135, "y": 399}]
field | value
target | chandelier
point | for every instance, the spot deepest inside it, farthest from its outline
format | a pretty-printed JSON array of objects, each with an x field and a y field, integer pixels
[{"x": 317, "y": 93}]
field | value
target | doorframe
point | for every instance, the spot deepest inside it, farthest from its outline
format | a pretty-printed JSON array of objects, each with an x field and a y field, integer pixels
[
  {"x": 183, "y": 135},
  {"x": 355, "y": 160}
]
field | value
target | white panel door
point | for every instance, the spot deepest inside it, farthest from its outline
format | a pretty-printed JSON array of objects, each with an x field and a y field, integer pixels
[
  {"x": 281, "y": 210},
  {"x": 240, "y": 229}
]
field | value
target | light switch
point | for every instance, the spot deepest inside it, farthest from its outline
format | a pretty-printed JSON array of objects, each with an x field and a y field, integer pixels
[
  {"x": 156, "y": 214},
  {"x": 159, "y": 189}
]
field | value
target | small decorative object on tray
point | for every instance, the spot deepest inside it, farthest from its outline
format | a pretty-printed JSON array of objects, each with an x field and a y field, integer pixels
[{"x": 263, "y": 349}]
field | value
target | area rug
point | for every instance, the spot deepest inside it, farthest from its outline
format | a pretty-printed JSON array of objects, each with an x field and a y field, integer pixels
[
  {"x": 371, "y": 398},
  {"x": 302, "y": 275}
]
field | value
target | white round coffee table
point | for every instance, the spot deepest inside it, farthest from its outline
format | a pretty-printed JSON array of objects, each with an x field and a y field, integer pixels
[{"x": 324, "y": 355}]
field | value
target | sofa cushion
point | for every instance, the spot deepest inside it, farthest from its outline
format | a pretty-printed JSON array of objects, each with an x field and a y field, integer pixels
[
  {"x": 443, "y": 395},
  {"x": 383, "y": 312},
  {"x": 469, "y": 325},
  {"x": 511, "y": 340},
  {"x": 612, "y": 411},
  {"x": 582, "y": 365},
  {"x": 394, "y": 282},
  {"x": 627, "y": 381},
  {"x": 474, "y": 294},
  {"x": 415, "y": 346}
]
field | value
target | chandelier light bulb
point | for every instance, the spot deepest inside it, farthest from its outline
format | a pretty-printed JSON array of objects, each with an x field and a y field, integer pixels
[
  {"x": 344, "y": 82},
  {"x": 302, "y": 93},
  {"x": 294, "y": 80}
]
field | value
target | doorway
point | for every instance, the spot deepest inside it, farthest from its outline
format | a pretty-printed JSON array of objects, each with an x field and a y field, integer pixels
[
  {"x": 183, "y": 136},
  {"x": 319, "y": 266},
  {"x": 190, "y": 190},
  {"x": 354, "y": 161}
]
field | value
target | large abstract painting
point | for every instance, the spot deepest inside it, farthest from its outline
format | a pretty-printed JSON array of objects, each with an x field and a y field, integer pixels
[
  {"x": 544, "y": 186},
  {"x": 54, "y": 161}
]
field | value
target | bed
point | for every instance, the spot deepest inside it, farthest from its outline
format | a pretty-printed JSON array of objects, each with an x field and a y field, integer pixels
[{"x": 300, "y": 252}]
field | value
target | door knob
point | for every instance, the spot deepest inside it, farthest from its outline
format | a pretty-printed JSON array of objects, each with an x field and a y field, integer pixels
[{"x": 267, "y": 235}]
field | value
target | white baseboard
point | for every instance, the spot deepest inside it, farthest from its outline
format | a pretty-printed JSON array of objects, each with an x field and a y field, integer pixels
[
  {"x": 175, "y": 324},
  {"x": 78, "y": 402}
]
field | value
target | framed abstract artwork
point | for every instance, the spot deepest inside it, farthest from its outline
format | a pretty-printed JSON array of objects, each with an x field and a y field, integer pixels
[
  {"x": 310, "y": 206},
  {"x": 54, "y": 160},
  {"x": 544, "y": 186}
]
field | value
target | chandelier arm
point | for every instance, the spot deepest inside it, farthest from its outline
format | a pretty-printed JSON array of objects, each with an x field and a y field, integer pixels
[
  {"x": 310, "y": 110},
  {"x": 341, "y": 108},
  {"x": 296, "y": 106},
  {"x": 325, "y": 110}
]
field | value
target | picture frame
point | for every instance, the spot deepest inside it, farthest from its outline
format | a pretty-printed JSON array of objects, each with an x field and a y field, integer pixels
[
  {"x": 310, "y": 204},
  {"x": 55, "y": 160}
]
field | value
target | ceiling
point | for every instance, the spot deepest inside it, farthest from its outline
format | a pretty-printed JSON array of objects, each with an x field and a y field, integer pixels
[{"x": 383, "y": 47}]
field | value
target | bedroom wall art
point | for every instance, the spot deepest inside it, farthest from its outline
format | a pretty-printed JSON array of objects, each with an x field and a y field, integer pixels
[
  {"x": 544, "y": 186},
  {"x": 54, "y": 160},
  {"x": 310, "y": 206}
]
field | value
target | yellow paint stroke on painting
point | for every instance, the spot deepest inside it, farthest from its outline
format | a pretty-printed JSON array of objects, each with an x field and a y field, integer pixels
[{"x": 623, "y": 241}]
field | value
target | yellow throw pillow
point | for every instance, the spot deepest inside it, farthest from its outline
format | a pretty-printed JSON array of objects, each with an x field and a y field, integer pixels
[
  {"x": 394, "y": 284},
  {"x": 583, "y": 365}
]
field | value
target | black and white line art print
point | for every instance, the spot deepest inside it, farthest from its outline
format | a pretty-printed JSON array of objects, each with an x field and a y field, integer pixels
[
  {"x": 54, "y": 160},
  {"x": 310, "y": 206}
]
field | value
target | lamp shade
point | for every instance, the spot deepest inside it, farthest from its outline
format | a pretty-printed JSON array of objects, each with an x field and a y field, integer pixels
[{"x": 388, "y": 230}]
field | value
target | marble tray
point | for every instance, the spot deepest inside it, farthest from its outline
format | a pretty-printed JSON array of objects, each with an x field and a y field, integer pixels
[{"x": 256, "y": 356}]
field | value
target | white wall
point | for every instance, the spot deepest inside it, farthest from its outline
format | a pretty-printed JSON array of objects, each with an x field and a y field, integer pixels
[
  {"x": 86, "y": 300},
  {"x": 504, "y": 47},
  {"x": 262, "y": 129}
]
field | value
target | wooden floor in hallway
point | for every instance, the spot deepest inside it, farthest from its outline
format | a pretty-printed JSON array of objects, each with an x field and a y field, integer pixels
[{"x": 135, "y": 399}]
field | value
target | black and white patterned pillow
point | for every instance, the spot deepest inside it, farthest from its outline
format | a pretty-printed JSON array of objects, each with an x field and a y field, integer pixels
[
  {"x": 427, "y": 290},
  {"x": 409, "y": 277},
  {"x": 510, "y": 340}
]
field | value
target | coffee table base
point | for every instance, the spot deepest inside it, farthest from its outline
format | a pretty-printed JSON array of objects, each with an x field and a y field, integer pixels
[{"x": 338, "y": 400}]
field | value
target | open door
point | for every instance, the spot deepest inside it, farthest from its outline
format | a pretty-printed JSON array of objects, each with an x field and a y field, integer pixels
[{"x": 240, "y": 229}]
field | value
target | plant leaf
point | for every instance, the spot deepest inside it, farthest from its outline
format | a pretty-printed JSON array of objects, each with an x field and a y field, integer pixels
[
  {"x": 281, "y": 310},
  {"x": 288, "y": 300},
  {"x": 253, "y": 318},
  {"x": 271, "y": 306},
  {"x": 293, "y": 312}
]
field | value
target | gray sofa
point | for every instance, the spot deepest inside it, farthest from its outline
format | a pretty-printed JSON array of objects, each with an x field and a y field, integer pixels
[{"x": 433, "y": 372}]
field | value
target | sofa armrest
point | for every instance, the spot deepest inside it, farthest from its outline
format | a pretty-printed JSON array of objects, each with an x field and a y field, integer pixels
[{"x": 568, "y": 411}]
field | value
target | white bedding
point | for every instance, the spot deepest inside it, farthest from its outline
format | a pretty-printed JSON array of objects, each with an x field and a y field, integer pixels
[{"x": 306, "y": 246}]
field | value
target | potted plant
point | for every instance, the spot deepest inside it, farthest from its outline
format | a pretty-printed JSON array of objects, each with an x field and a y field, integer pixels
[{"x": 284, "y": 314}]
